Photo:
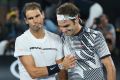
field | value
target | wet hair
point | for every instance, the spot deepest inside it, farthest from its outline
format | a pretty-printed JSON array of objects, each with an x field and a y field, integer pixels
[
  {"x": 68, "y": 9},
  {"x": 31, "y": 6}
]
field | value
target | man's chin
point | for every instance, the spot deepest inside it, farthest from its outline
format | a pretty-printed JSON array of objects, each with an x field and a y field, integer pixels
[
  {"x": 67, "y": 34},
  {"x": 37, "y": 29}
]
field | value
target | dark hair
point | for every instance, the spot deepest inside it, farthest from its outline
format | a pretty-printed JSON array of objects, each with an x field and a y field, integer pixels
[
  {"x": 31, "y": 6},
  {"x": 98, "y": 20},
  {"x": 68, "y": 9}
]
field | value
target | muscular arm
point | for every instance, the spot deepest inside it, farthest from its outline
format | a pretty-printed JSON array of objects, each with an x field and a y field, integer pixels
[
  {"x": 35, "y": 72},
  {"x": 29, "y": 64},
  {"x": 62, "y": 75},
  {"x": 68, "y": 62},
  {"x": 110, "y": 68}
]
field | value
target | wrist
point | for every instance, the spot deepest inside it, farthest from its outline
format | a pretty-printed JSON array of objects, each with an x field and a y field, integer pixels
[
  {"x": 53, "y": 69},
  {"x": 61, "y": 66}
]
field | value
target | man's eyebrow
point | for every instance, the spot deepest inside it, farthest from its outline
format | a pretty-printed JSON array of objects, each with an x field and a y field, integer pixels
[
  {"x": 37, "y": 15},
  {"x": 33, "y": 17},
  {"x": 30, "y": 18},
  {"x": 64, "y": 26}
]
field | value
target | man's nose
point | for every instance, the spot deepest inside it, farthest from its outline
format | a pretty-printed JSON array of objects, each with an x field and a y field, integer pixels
[
  {"x": 35, "y": 20},
  {"x": 63, "y": 30}
]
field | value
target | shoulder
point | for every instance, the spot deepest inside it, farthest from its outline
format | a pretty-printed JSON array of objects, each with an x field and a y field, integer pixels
[
  {"x": 110, "y": 25},
  {"x": 92, "y": 31},
  {"x": 53, "y": 35},
  {"x": 23, "y": 37}
]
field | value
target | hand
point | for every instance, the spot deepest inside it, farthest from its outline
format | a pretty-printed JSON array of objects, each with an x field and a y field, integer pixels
[{"x": 69, "y": 61}]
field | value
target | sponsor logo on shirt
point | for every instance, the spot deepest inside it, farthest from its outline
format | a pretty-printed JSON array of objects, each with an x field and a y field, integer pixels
[{"x": 43, "y": 48}]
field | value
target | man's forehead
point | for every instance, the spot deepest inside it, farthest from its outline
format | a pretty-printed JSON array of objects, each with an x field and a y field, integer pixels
[{"x": 33, "y": 12}]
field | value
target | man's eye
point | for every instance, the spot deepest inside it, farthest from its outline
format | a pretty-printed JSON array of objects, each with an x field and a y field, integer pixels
[
  {"x": 66, "y": 26},
  {"x": 30, "y": 18}
]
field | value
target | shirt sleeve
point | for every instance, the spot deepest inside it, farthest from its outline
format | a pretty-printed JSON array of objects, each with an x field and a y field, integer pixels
[
  {"x": 60, "y": 54},
  {"x": 21, "y": 48},
  {"x": 101, "y": 46}
]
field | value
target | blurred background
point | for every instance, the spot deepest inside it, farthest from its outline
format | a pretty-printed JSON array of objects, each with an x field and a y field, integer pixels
[{"x": 12, "y": 25}]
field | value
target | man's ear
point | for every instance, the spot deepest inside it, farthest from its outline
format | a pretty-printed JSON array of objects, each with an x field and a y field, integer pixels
[
  {"x": 43, "y": 15},
  {"x": 77, "y": 20},
  {"x": 26, "y": 21}
]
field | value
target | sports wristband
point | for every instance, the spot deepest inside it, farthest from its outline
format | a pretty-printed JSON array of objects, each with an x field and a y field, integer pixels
[{"x": 53, "y": 69}]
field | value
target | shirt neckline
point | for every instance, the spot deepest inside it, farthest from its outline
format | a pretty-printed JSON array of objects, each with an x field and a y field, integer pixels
[{"x": 40, "y": 40}]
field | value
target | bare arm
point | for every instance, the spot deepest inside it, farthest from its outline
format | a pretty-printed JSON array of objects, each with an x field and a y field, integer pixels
[
  {"x": 62, "y": 75},
  {"x": 33, "y": 71},
  {"x": 68, "y": 62},
  {"x": 110, "y": 68}
]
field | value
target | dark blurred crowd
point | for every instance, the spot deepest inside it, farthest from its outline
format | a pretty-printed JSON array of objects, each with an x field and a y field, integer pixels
[{"x": 14, "y": 24}]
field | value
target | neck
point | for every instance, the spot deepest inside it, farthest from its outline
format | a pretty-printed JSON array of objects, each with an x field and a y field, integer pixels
[
  {"x": 38, "y": 34},
  {"x": 78, "y": 29}
]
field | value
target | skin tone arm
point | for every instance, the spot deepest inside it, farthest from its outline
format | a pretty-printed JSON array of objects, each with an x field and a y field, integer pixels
[
  {"x": 62, "y": 75},
  {"x": 29, "y": 64},
  {"x": 35, "y": 72},
  {"x": 110, "y": 68}
]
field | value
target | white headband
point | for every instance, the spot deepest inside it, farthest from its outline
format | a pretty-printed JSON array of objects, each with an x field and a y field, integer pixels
[{"x": 64, "y": 17}]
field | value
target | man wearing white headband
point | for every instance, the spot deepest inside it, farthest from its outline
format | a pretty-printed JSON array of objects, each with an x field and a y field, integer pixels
[{"x": 87, "y": 45}]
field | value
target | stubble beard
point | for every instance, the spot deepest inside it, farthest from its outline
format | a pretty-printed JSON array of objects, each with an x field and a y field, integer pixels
[{"x": 37, "y": 28}]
